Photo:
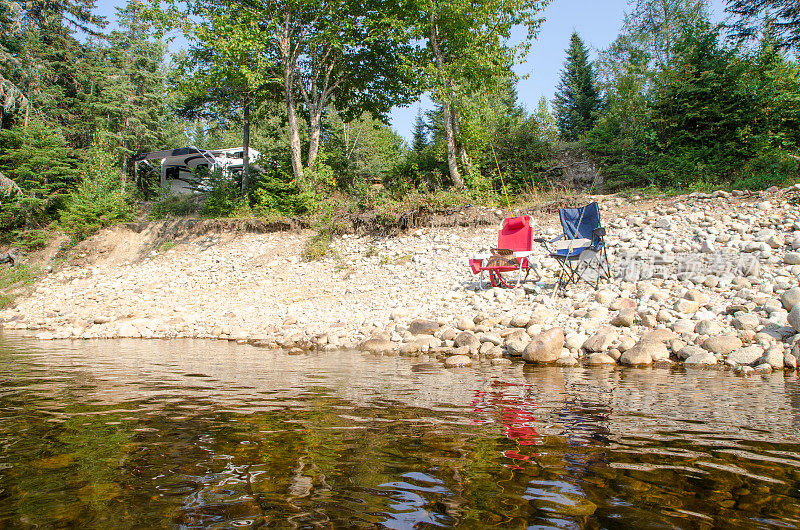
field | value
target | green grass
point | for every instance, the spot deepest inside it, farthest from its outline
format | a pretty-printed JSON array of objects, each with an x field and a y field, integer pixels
[
  {"x": 6, "y": 300},
  {"x": 317, "y": 247},
  {"x": 14, "y": 278}
]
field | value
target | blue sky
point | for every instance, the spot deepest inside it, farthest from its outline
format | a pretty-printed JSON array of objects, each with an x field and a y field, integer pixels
[{"x": 597, "y": 21}]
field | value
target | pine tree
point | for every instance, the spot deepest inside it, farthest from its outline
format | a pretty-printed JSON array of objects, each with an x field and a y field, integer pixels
[
  {"x": 420, "y": 139},
  {"x": 131, "y": 102},
  {"x": 37, "y": 158},
  {"x": 782, "y": 17},
  {"x": 577, "y": 100}
]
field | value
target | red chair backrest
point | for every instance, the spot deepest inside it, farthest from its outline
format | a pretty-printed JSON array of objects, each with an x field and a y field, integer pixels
[{"x": 516, "y": 234}]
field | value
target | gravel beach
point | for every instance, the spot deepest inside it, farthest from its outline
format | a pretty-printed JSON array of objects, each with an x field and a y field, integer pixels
[{"x": 705, "y": 280}]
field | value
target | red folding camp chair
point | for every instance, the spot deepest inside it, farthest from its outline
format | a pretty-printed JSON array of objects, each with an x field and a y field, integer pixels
[{"x": 510, "y": 258}]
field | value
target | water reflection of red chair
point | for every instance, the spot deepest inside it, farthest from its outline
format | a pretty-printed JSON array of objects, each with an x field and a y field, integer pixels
[{"x": 516, "y": 416}]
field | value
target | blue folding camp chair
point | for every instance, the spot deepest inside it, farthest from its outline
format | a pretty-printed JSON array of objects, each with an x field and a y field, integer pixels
[{"x": 581, "y": 251}]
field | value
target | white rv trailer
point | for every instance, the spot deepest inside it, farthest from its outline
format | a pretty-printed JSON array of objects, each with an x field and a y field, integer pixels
[{"x": 177, "y": 165}]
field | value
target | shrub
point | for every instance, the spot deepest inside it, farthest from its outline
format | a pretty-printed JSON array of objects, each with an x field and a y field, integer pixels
[
  {"x": 38, "y": 160},
  {"x": 224, "y": 196},
  {"x": 169, "y": 204},
  {"x": 99, "y": 200},
  {"x": 275, "y": 191}
]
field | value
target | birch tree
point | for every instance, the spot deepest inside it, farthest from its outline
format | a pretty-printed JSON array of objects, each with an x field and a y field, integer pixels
[{"x": 468, "y": 44}]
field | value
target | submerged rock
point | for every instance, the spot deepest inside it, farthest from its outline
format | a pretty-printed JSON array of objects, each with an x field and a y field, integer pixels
[
  {"x": 747, "y": 355},
  {"x": 455, "y": 361}
]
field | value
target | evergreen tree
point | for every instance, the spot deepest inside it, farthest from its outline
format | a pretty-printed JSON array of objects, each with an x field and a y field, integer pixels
[
  {"x": 782, "y": 17},
  {"x": 131, "y": 106},
  {"x": 38, "y": 160},
  {"x": 420, "y": 138},
  {"x": 577, "y": 100}
]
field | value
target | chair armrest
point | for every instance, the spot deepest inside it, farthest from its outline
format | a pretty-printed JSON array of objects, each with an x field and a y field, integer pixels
[
  {"x": 540, "y": 240},
  {"x": 599, "y": 231}
]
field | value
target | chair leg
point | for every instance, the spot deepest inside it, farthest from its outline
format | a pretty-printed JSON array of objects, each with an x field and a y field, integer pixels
[{"x": 608, "y": 265}]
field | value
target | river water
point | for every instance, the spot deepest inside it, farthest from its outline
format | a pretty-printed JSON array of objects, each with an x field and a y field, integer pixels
[{"x": 119, "y": 434}]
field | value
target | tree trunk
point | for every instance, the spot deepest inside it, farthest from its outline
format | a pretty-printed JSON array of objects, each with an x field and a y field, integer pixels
[
  {"x": 246, "y": 147},
  {"x": 294, "y": 131},
  {"x": 123, "y": 180},
  {"x": 452, "y": 163},
  {"x": 462, "y": 151},
  {"x": 314, "y": 120}
]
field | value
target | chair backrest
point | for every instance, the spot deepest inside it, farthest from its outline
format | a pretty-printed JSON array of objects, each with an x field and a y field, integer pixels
[
  {"x": 580, "y": 223},
  {"x": 516, "y": 233}
]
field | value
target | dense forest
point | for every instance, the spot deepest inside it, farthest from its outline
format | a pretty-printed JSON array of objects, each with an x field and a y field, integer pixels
[{"x": 674, "y": 103}]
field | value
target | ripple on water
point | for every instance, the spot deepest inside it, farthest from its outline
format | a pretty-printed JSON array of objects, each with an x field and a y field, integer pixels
[{"x": 202, "y": 433}]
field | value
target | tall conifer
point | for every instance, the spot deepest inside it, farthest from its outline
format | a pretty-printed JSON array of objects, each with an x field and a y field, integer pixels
[{"x": 577, "y": 99}]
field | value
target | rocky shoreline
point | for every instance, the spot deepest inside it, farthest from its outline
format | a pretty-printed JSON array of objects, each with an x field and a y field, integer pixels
[{"x": 704, "y": 280}]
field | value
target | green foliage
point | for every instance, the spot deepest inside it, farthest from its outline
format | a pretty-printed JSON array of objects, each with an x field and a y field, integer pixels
[
  {"x": 781, "y": 18},
  {"x": 420, "y": 134},
  {"x": 524, "y": 158},
  {"x": 702, "y": 115},
  {"x": 360, "y": 151},
  {"x": 577, "y": 100},
  {"x": 275, "y": 191},
  {"x": 330, "y": 222},
  {"x": 100, "y": 199},
  {"x": 546, "y": 123},
  {"x": 171, "y": 205},
  {"x": 38, "y": 160},
  {"x": 130, "y": 106},
  {"x": 13, "y": 279},
  {"x": 34, "y": 239},
  {"x": 224, "y": 197}
]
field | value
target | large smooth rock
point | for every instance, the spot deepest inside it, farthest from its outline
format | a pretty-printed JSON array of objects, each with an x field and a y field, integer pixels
[
  {"x": 774, "y": 358},
  {"x": 545, "y": 347},
  {"x": 747, "y": 355},
  {"x": 465, "y": 323},
  {"x": 794, "y": 317},
  {"x": 792, "y": 258},
  {"x": 377, "y": 345},
  {"x": 455, "y": 361},
  {"x": 600, "y": 341},
  {"x": 516, "y": 342},
  {"x": 596, "y": 359},
  {"x": 702, "y": 358},
  {"x": 644, "y": 352},
  {"x": 746, "y": 321},
  {"x": 468, "y": 339},
  {"x": 520, "y": 320},
  {"x": 790, "y": 298},
  {"x": 659, "y": 335},
  {"x": 690, "y": 351},
  {"x": 686, "y": 307},
  {"x": 624, "y": 318},
  {"x": 722, "y": 344},
  {"x": 696, "y": 295},
  {"x": 423, "y": 327},
  {"x": 707, "y": 327}
]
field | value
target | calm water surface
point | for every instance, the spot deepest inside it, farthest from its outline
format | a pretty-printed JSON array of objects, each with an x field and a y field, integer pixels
[{"x": 119, "y": 434}]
